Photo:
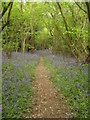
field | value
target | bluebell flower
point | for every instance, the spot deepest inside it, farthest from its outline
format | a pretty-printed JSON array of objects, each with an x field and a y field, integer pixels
[
  {"x": 78, "y": 84},
  {"x": 77, "y": 107}
]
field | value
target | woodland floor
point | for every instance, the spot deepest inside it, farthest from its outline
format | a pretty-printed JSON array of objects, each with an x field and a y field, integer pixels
[{"x": 46, "y": 102}]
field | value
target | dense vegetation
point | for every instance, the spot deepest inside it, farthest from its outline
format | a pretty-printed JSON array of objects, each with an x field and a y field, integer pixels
[
  {"x": 71, "y": 80},
  {"x": 17, "y": 77},
  {"x": 61, "y": 28},
  {"x": 57, "y": 26}
]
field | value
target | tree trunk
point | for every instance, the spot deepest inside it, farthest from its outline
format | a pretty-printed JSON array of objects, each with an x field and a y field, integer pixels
[
  {"x": 27, "y": 43},
  {"x": 17, "y": 46},
  {"x": 84, "y": 22},
  {"x": 7, "y": 42},
  {"x": 43, "y": 41},
  {"x": 32, "y": 37},
  {"x": 11, "y": 45},
  {"x": 32, "y": 32},
  {"x": 22, "y": 40},
  {"x": 23, "y": 45}
]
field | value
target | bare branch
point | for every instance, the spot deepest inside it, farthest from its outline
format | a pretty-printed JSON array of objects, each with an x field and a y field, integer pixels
[
  {"x": 5, "y": 9},
  {"x": 8, "y": 18},
  {"x": 62, "y": 15},
  {"x": 81, "y": 7}
]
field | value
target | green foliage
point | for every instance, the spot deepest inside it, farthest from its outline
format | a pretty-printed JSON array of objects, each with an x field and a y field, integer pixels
[{"x": 49, "y": 27}]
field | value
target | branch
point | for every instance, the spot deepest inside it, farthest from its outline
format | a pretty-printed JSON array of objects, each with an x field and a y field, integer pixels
[
  {"x": 5, "y": 9},
  {"x": 9, "y": 12},
  {"x": 85, "y": 22},
  {"x": 8, "y": 18},
  {"x": 62, "y": 15},
  {"x": 81, "y": 7}
]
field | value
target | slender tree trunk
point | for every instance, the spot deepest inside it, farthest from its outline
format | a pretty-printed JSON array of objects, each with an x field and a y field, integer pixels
[
  {"x": 23, "y": 45},
  {"x": 22, "y": 40},
  {"x": 27, "y": 44},
  {"x": 17, "y": 46},
  {"x": 53, "y": 44},
  {"x": 7, "y": 42},
  {"x": 32, "y": 37},
  {"x": 11, "y": 45},
  {"x": 84, "y": 22},
  {"x": 32, "y": 31},
  {"x": 42, "y": 41}
]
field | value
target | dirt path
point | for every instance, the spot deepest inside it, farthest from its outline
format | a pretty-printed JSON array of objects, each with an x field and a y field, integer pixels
[{"x": 46, "y": 102}]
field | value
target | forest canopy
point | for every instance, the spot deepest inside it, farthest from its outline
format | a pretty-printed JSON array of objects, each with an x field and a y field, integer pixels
[{"x": 59, "y": 26}]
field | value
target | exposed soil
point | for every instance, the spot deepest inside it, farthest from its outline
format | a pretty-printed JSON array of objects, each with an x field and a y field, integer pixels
[{"x": 46, "y": 101}]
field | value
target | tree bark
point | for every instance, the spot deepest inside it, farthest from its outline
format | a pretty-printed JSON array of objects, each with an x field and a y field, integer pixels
[
  {"x": 32, "y": 37},
  {"x": 23, "y": 45},
  {"x": 84, "y": 22},
  {"x": 22, "y": 40},
  {"x": 88, "y": 8},
  {"x": 27, "y": 43},
  {"x": 32, "y": 32},
  {"x": 7, "y": 42},
  {"x": 11, "y": 44},
  {"x": 17, "y": 46}
]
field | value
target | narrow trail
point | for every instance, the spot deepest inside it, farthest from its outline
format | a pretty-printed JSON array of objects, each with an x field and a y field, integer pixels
[{"x": 46, "y": 102}]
